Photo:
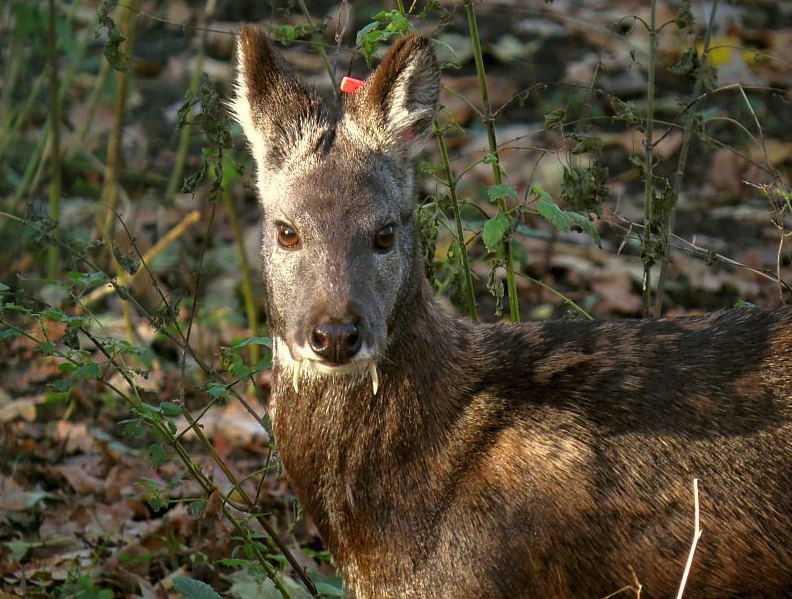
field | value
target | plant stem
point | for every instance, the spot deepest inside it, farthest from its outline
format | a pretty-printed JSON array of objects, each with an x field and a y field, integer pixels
[
  {"x": 165, "y": 433},
  {"x": 13, "y": 62},
  {"x": 22, "y": 115},
  {"x": 452, "y": 192},
  {"x": 93, "y": 101},
  {"x": 53, "y": 253},
  {"x": 317, "y": 43},
  {"x": 113, "y": 163},
  {"x": 649, "y": 147},
  {"x": 489, "y": 124},
  {"x": 44, "y": 136},
  {"x": 682, "y": 163},
  {"x": 247, "y": 277},
  {"x": 175, "y": 181}
]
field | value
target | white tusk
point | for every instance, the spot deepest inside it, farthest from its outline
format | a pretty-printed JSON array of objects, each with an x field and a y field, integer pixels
[
  {"x": 374, "y": 377},
  {"x": 296, "y": 376}
]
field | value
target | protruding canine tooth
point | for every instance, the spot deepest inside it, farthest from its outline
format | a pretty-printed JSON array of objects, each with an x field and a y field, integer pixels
[
  {"x": 374, "y": 377},
  {"x": 296, "y": 376}
]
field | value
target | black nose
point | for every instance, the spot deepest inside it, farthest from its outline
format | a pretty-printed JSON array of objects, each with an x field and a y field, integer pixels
[{"x": 335, "y": 342}]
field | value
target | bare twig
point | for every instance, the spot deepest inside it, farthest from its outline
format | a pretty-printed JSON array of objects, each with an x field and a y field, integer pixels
[{"x": 696, "y": 537}]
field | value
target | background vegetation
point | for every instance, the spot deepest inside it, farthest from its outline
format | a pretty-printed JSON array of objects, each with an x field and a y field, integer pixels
[{"x": 593, "y": 159}]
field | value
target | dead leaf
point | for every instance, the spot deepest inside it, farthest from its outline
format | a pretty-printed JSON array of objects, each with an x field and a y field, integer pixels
[{"x": 24, "y": 408}]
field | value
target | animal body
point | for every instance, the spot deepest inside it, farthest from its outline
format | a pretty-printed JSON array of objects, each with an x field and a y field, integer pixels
[{"x": 444, "y": 458}]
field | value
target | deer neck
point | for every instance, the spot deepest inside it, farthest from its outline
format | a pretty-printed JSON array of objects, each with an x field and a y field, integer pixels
[{"x": 345, "y": 449}]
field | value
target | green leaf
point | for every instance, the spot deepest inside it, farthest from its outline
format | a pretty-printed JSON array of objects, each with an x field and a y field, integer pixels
[
  {"x": 363, "y": 33},
  {"x": 329, "y": 590},
  {"x": 624, "y": 110},
  {"x": 588, "y": 144},
  {"x": 194, "y": 589},
  {"x": 494, "y": 231},
  {"x": 129, "y": 262},
  {"x": 553, "y": 214},
  {"x": 196, "y": 509},
  {"x": 216, "y": 390},
  {"x": 85, "y": 371},
  {"x": 687, "y": 64},
  {"x": 112, "y": 49},
  {"x": 744, "y": 304},
  {"x": 685, "y": 18},
  {"x": 567, "y": 221},
  {"x": 555, "y": 118},
  {"x": 170, "y": 409},
  {"x": 61, "y": 385},
  {"x": 156, "y": 454},
  {"x": 266, "y": 341},
  {"x": 88, "y": 278},
  {"x": 495, "y": 192}
]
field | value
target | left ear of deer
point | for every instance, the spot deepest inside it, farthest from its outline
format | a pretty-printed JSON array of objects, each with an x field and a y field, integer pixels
[
  {"x": 281, "y": 118},
  {"x": 395, "y": 107}
]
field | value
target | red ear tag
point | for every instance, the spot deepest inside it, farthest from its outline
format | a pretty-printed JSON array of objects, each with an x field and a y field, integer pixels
[{"x": 350, "y": 85}]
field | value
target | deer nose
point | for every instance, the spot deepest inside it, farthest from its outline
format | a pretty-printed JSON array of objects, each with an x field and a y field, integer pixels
[{"x": 335, "y": 342}]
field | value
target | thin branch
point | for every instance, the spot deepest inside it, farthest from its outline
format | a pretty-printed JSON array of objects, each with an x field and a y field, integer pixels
[{"x": 696, "y": 537}]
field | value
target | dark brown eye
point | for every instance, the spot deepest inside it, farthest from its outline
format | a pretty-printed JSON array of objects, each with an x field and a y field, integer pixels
[
  {"x": 383, "y": 240},
  {"x": 287, "y": 236}
]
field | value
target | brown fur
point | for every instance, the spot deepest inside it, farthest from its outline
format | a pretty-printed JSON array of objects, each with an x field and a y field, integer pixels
[{"x": 532, "y": 460}]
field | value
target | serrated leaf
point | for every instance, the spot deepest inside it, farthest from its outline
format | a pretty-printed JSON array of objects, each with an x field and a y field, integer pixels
[
  {"x": 112, "y": 49},
  {"x": 329, "y": 590},
  {"x": 685, "y": 18},
  {"x": 588, "y": 144},
  {"x": 88, "y": 278},
  {"x": 495, "y": 192},
  {"x": 47, "y": 348},
  {"x": 744, "y": 304},
  {"x": 194, "y": 589},
  {"x": 555, "y": 118},
  {"x": 216, "y": 390},
  {"x": 687, "y": 64},
  {"x": 494, "y": 231},
  {"x": 624, "y": 110},
  {"x": 129, "y": 262},
  {"x": 88, "y": 371},
  {"x": 195, "y": 509},
  {"x": 156, "y": 454},
  {"x": 170, "y": 409},
  {"x": 61, "y": 385},
  {"x": 567, "y": 221},
  {"x": 363, "y": 33},
  {"x": 134, "y": 428},
  {"x": 266, "y": 341},
  {"x": 553, "y": 214}
]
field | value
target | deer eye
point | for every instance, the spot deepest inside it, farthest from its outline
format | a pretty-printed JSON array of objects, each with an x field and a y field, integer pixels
[
  {"x": 287, "y": 236},
  {"x": 384, "y": 238}
]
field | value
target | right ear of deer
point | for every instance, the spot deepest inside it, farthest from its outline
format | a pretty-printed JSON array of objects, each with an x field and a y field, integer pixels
[
  {"x": 280, "y": 117},
  {"x": 396, "y": 105}
]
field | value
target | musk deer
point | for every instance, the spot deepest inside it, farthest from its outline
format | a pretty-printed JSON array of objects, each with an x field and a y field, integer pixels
[{"x": 444, "y": 458}]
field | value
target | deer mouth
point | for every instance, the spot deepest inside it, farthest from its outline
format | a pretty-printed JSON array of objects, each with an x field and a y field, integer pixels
[{"x": 303, "y": 362}]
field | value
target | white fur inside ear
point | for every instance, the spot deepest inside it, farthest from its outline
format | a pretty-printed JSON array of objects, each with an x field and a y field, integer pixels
[
  {"x": 243, "y": 113},
  {"x": 401, "y": 115},
  {"x": 411, "y": 106}
]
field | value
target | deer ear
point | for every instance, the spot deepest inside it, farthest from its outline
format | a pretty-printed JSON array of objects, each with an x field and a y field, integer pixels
[
  {"x": 396, "y": 105},
  {"x": 280, "y": 117}
]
